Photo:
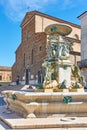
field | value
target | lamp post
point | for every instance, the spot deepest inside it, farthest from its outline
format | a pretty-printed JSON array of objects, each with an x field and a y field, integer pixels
[{"x": 27, "y": 74}]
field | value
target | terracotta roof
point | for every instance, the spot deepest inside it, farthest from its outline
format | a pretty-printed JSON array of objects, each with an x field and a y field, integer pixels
[
  {"x": 50, "y": 17},
  {"x": 5, "y": 68}
]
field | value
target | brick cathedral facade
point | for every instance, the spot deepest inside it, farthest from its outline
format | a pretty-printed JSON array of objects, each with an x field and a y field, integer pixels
[{"x": 32, "y": 51}]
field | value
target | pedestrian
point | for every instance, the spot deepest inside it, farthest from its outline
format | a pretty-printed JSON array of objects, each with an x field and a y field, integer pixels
[{"x": 17, "y": 81}]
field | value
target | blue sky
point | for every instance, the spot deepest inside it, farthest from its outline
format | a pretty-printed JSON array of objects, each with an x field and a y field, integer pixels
[{"x": 13, "y": 11}]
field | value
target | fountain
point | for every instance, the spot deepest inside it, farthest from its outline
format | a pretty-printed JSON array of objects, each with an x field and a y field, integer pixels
[
  {"x": 63, "y": 83},
  {"x": 61, "y": 74}
]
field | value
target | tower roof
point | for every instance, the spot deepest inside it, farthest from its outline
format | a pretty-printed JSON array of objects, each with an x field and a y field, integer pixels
[{"x": 82, "y": 15}]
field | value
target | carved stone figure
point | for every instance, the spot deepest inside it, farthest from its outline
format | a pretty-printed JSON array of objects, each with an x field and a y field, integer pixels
[{"x": 63, "y": 52}]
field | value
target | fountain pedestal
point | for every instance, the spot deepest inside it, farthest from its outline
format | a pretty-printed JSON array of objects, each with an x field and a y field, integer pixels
[{"x": 65, "y": 72}]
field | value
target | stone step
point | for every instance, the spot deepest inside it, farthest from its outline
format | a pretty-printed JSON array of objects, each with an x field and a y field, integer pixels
[{"x": 17, "y": 122}]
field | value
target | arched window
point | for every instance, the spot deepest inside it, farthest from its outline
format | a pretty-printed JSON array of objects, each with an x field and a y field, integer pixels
[
  {"x": 28, "y": 34},
  {"x": 24, "y": 60},
  {"x": 76, "y": 37},
  {"x": 0, "y": 77},
  {"x": 40, "y": 48},
  {"x": 32, "y": 56}
]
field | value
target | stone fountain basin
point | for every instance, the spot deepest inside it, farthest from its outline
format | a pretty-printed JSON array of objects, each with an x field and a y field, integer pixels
[{"x": 30, "y": 104}]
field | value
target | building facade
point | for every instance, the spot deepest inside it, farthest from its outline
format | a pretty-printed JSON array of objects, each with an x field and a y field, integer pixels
[
  {"x": 5, "y": 74},
  {"x": 32, "y": 51},
  {"x": 83, "y": 62}
]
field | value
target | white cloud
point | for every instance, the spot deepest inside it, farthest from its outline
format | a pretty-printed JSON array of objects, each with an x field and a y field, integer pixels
[{"x": 16, "y": 9}]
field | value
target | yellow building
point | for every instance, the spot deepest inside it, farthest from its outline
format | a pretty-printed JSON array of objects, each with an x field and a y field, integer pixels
[{"x": 5, "y": 74}]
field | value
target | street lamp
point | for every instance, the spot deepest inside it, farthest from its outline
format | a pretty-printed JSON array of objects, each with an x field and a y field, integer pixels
[{"x": 27, "y": 74}]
